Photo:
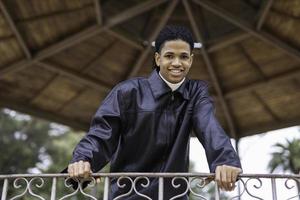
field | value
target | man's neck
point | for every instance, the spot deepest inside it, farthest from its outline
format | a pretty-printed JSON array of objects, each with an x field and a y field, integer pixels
[{"x": 173, "y": 86}]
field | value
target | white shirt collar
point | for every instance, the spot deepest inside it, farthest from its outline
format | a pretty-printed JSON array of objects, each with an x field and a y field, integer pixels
[{"x": 173, "y": 86}]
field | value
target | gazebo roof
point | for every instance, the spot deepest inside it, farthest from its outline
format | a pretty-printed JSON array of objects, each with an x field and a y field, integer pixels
[{"x": 59, "y": 58}]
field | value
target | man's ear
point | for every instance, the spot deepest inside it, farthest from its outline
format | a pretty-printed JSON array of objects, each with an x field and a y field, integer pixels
[
  {"x": 157, "y": 58},
  {"x": 191, "y": 59}
]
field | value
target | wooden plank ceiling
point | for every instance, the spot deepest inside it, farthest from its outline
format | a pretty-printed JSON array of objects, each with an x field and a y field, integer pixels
[{"x": 59, "y": 58}]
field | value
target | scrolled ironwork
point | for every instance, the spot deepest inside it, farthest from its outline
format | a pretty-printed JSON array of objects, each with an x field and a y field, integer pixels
[
  {"x": 202, "y": 182},
  {"x": 42, "y": 182},
  {"x": 143, "y": 185},
  {"x": 255, "y": 186},
  {"x": 69, "y": 185},
  {"x": 79, "y": 189},
  {"x": 238, "y": 196},
  {"x": 178, "y": 185},
  {"x": 92, "y": 183},
  {"x": 17, "y": 185},
  {"x": 123, "y": 186},
  {"x": 291, "y": 187}
]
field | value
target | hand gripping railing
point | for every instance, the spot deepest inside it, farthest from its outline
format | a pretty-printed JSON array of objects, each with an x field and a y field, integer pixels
[{"x": 193, "y": 183}]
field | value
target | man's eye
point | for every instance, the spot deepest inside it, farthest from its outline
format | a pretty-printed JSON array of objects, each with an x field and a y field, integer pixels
[
  {"x": 185, "y": 57},
  {"x": 168, "y": 56}
]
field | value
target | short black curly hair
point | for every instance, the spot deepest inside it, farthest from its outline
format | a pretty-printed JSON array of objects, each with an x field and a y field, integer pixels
[{"x": 174, "y": 32}]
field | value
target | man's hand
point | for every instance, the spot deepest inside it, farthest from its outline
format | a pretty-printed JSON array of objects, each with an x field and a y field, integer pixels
[
  {"x": 226, "y": 177},
  {"x": 81, "y": 169}
]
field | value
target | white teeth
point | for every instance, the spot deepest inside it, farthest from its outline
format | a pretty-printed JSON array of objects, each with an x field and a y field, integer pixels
[{"x": 176, "y": 70}]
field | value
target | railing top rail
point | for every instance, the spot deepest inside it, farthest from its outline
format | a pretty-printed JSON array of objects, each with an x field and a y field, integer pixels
[{"x": 166, "y": 175}]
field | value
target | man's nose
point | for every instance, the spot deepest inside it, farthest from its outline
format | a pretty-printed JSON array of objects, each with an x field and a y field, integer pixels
[{"x": 176, "y": 62}]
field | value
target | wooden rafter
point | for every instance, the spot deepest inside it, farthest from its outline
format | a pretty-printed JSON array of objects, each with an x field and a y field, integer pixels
[
  {"x": 45, "y": 16},
  {"x": 83, "y": 35},
  {"x": 62, "y": 71},
  {"x": 32, "y": 110},
  {"x": 90, "y": 64},
  {"x": 80, "y": 78},
  {"x": 98, "y": 12},
  {"x": 15, "y": 30},
  {"x": 202, "y": 24},
  {"x": 257, "y": 68},
  {"x": 120, "y": 36},
  {"x": 270, "y": 126},
  {"x": 134, "y": 11},
  {"x": 125, "y": 39},
  {"x": 162, "y": 22},
  {"x": 295, "y": 53},
  {"x": 266, "y": 106},
  {"x": 227, "y": 40},
  {"x": 65, "y": 104},
  {"x": 147, "y": 24},
  {"x": 269, "y": 83},
  {"x": 266, "y": 5},
  {"x": 211, "y": 70},
  {"x": 46, "y": 85}
]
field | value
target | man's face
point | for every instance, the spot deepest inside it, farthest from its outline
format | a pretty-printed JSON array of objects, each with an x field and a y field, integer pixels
[{"x": 174, "y": 60}]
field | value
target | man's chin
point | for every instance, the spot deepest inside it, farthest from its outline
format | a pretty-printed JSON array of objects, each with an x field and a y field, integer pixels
[{"x": 175, "y": 80}]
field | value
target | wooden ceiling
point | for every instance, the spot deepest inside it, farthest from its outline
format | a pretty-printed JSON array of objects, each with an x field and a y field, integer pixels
[{"x": 59, "y": 58}]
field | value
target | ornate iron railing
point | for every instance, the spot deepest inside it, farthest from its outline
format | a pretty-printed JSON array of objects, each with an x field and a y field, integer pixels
[{"x": 28, "y": 186}]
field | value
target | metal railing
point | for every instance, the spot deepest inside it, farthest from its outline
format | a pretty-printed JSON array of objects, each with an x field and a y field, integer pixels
[{"x": 28, "y": 186}]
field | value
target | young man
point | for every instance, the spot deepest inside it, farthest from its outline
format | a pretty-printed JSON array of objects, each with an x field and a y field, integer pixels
[{"x": 144, "y": 124}]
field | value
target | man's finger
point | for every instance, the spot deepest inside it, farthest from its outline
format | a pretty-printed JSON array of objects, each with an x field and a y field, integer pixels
[
  {"x": 228, "y": 182},
  {"x": 80, "y": 166},
  {"x": 218, "y": 177},
  {"x": 87, "y": 169},
  {"x": 98, "y": 180},
  {"x": 75, "y": 168},
  {"x": 71, "y": 170},
  {"x": 224, "y": 181}
]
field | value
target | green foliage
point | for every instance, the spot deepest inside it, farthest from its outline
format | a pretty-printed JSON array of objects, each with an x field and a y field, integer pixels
[
  {"x": 286, "y": 157},
  {"x": 29, "y": 145}
]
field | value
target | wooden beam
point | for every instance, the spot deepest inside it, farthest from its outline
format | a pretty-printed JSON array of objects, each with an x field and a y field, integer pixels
[
  {"x": 227, "y": 40},
  {"x": 253, "y": 130},
  {"x": 125, "y": 39},
  {"x": 15, "y": 30},
  {"x": 254, "y": 65},
  {"x": 34, "y": 111},
  {"x": 134, "y": 11},
  {"x": 7, "y": 37},
  {"x": 98, "y": 12},
  {"x": 83, "y": 70},
  {"x": 153, "y": 36},
  {"x": 268, "y": 83},
  {"x": 90, "y": 64},
  {"x": 211, "y": 70},
  {"x": 46, "y": 85},
  {"x": 82, "y": 36},
  {"x": 65, "y": 104},
  {"x": 80, "y": 78},
  {"x": 265, "y": 106},
  {"x": 49, "y": 15},
  {"x": 112, "y": 32},
  {"x": 265, "y": 7},
  {"x": 202, "y": 23},
  {"x": 289, "y": 50}
]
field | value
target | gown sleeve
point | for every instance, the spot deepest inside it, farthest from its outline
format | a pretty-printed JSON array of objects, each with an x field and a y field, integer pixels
[
  {"x": 216, "y": 143},
  {"x": 101, "y": 141}
]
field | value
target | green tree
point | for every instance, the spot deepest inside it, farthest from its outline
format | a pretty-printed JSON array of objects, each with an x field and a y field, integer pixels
[
  {"x": 286, "y": 157},
  {"x": 29, "y": 144},
  {"x": 21, "y": 141}
]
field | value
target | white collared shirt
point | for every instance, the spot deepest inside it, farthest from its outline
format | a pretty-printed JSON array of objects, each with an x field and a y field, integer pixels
[{"x": 173, "y": 86}]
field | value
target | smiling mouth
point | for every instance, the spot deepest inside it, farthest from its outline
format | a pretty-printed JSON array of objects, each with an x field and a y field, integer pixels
[{"x": 176, "y": 71}]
